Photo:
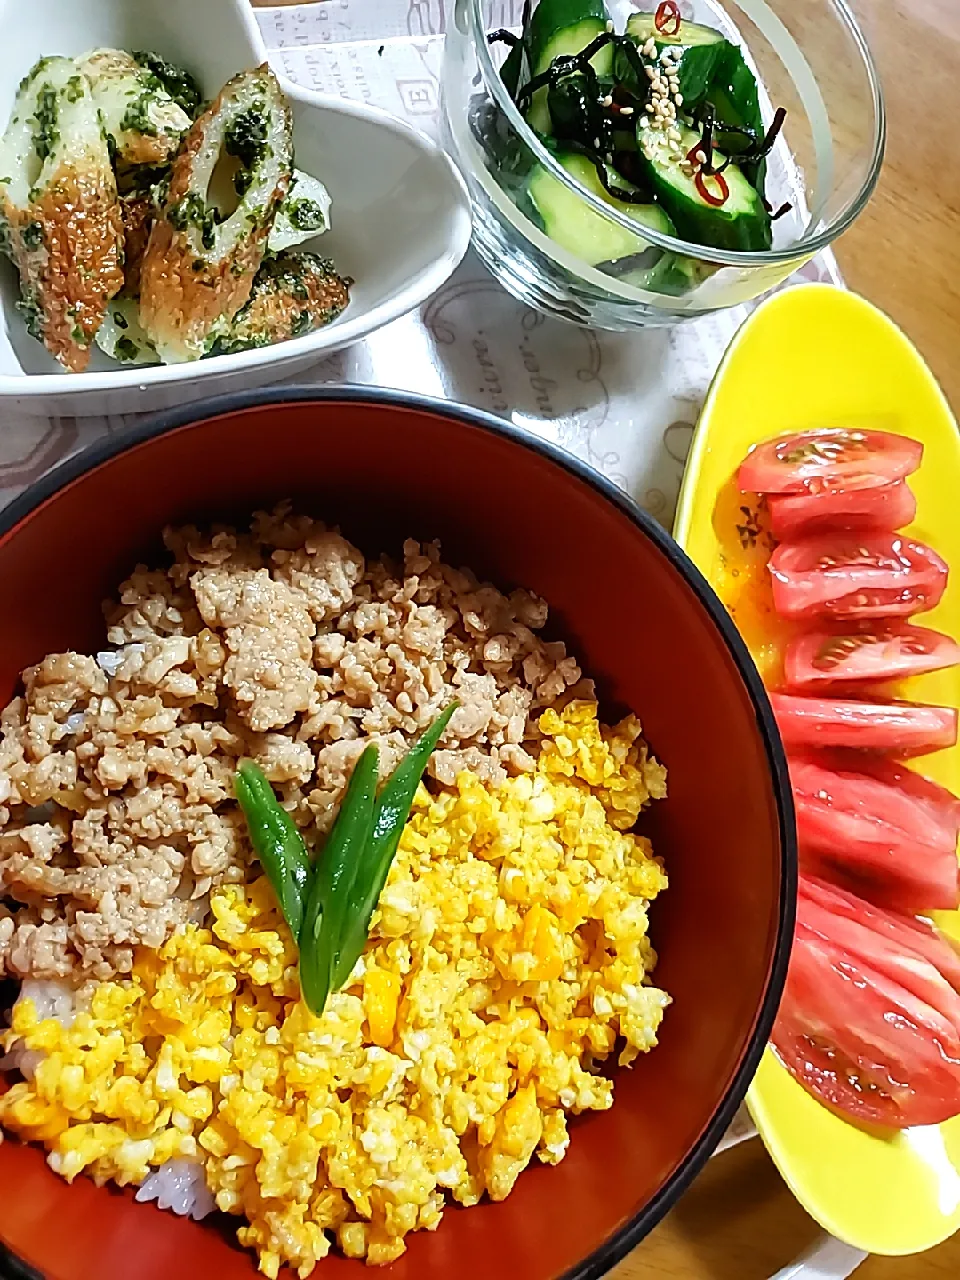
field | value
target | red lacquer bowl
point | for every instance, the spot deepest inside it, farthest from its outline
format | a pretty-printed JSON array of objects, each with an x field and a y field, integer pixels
[{"x": 644, "y": 624}]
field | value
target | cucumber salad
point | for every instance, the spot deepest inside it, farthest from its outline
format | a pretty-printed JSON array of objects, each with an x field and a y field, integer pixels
[{"x": 661, "y": 122}]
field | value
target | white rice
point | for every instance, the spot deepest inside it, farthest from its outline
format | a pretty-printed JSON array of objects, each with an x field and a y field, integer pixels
[
  {"x": 26, "y": 1061},
  {"x": 179, "y": 1185},
  {"x": 52, "y": 999}
]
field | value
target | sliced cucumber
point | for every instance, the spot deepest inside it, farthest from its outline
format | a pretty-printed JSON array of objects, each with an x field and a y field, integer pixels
[
  {"x": 571, "y": 223},
  {"x": 736, "y": 101},
  {"x": 702, "y": 49},
  {"x": 734, "y": 93},
  {"x": 666, "y": 272},
  {"x": 564, "y": 27},
  {"x": 568, "y": 26},
  {"x": 676, "y": 274},
  {"x": 741, "y": 222}
]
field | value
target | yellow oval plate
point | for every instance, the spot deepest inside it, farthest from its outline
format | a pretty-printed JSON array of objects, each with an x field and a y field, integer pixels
[{"x": 816, "y": 356}]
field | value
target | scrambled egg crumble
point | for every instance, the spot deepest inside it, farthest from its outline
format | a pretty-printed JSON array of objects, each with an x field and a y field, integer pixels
[{"x": 509, "y": 956}]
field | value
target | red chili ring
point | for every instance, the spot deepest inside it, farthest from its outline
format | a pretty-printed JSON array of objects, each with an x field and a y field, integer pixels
[
  {"x": 700, "y": 181},
  {"x": 668, "y": 13}
]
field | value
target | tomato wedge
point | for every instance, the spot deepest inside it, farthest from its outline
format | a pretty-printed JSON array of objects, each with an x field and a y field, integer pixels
[
  {"x": 880, "y": 828},
  {"x": 879, "y": 651},
  {"x": 830, "y": 458},
  {"x": 907, "y": 933},
  {"x": 848, "y": 575},
  {"x": 860, "y": 1040},
  {"x": 941, "y": 806},
  {"x": 901, "y": 728},
  {"x": 889, "y": 506}
]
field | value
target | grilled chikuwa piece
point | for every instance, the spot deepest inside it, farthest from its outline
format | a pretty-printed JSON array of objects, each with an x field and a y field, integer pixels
[
  {"x": 142, "y": 121},
  {"x": 207, "y": 244},
  {"x": 59, "y": 214},
  {"x": 138, "y": 211},
  {"x": 293, "y": 294}
]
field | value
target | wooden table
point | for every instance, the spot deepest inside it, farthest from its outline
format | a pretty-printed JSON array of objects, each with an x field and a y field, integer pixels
[
  {"x": 738, "y": 1221},
  {"x": 904, "y": 251}
]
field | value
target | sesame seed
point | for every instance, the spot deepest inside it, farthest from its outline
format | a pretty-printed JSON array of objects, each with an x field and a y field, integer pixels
[
  {"x": 678, "y": 99},
  {"x": 651, "y": 73},
  {"x": 596, "y": 143},
  {"x": 608, "y": 100},
  {"x": 700, "y": 155},
  {"x": 609, "y": 27},
  {"x": 626, "y": 111}
]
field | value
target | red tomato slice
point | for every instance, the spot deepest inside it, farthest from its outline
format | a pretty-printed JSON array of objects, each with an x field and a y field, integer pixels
[
  {"x": 885, "y": 830},
  {"x": 902, "y": 728},
  {"x": 846, "y": 575},
  {"x": 883, "y": 651},
  {"x": 895, "y": 959},
  {"x": 861, "y": 1042},
  {"x": 890, "y": 506},
  {"x": 906, "y": 933},
  {"x": 830, "y": 458},
  {"x": 941, "y": 806}
]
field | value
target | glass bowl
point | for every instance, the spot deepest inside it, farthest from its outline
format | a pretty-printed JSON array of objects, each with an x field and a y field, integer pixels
[{"x": 810, "y": 57}]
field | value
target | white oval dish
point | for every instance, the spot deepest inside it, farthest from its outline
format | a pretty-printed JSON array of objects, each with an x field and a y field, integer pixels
[{"x": 400, "y": 217}]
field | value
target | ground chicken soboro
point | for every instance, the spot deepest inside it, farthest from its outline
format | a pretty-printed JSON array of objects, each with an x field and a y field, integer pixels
[{"x": 117, "y": 815}]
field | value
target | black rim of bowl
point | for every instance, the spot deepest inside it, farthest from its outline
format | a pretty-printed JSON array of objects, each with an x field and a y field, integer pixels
[{"x": 617, "y": 1246}]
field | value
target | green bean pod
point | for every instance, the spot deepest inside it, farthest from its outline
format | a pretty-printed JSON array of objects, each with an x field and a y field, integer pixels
[
  {"x": 390, "y": 816},
  {"x": 333, "y": 881},
  {"x": 276, "y": 840}
]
